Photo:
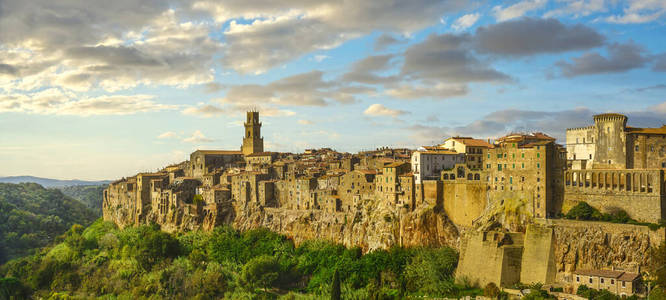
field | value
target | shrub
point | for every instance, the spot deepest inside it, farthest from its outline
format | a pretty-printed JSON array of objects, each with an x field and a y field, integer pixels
[
  {"x": 491, "y": 290},
  {"x": 261, "y": 271}
]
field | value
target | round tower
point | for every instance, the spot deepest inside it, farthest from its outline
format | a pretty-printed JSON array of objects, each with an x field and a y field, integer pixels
[{"x": 611, "y": 142}]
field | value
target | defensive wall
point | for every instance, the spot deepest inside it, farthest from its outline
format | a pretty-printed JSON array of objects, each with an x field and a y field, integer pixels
[{"x": 638, "y": 192}]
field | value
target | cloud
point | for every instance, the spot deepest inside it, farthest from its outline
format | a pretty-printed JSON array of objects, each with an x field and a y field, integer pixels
[
  {"x": 320, "y": 58},
  {"x": 381, "y": 110},
  {"x": 8, "y": 69},
  {"x": 305, "y": 122},
  {"x": 206, "y": 111},
  {"x": 660, "y": 63},
  {"x": 517, "y": 10},
  {"x": 529, "y": 36},
  {"x": 197, "y": 137},
  {"x": 167, "y": 135},
  {"x": 439, "y": 91},
  {"x": 640, "y": 11},
  {"x": 366, "y": 69},
  {"x": 304, "y": 89},
  {"x": 447, "y": 58},
  {"x": 650, "y": 88},
  {"x": 280, "y": 31},
  {"x": 621, "y": 58},
  {"x": 55, "y": 101},
  {"x": 84, "y": 48},
  {"x": 465, "y": 21},
  {"x": 386, "y": 40},
  {"x": 578, "y": 8}
]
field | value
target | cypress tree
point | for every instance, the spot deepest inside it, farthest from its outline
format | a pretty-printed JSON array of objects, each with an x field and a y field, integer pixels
[{"x": 335, "y": 286}]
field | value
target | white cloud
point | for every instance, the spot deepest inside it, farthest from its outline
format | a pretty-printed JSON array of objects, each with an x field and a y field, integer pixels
[
  {"x": 197, "y": 137},
  {"x": 305, "y": 122},
  {"x": 381, "y": 110},
  {"x": 206, "y": 111},
  {"x": 465, "y": 21},
  {"x": 640, "y": 11},
  {"x": 320, "y": 58},
  {"x": 439, "y": 91},
  {"x": 517, "y": 10},
  {"x": 55, "y": 101},
  {"x": 578, "y": 8},
  {"x": 167, "y": 135}
]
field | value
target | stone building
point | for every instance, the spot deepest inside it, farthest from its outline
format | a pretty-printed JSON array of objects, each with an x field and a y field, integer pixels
[
  {"x": 354, "y": 186},
  {"x": 527, "y": 168},
  {"x": 473, "y": 149},
  {"x": 611, "y": 144},
  {"x": 620, "y": 283},
  {"x": 615, "y": 166},
  {"x": 387, "y": 183},
  {"x": 203, "y": 162},
  {"x": 253, "y": 142},
  {"x": 428, "y": 164},
  {"x": 465, "y": 194}
]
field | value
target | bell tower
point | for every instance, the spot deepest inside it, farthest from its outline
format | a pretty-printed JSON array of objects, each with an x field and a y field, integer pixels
[{"x": 252, "y": 142}]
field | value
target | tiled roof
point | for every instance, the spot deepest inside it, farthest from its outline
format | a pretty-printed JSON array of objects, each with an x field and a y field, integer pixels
[
  {"x": 628, "y": 276},
  {"x": 600, "y": 273},
  {"x": 219, "y": 152},
  {"x": 261, "y": 154},
  {"x": 468, "y": 141},
  {"x": 395, "y": 164}
]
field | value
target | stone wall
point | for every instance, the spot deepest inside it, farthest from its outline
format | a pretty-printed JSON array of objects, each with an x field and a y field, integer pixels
[
  {"x": 598, "y": 245},
  {"x": 638, "y": 192},
  {"x": 538, "y": 263},
  {"x": 490, "y": 257},
  {"x": 464, "y": 201}
]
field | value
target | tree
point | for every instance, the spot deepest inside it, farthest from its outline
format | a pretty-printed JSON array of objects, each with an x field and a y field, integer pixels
[
  {"x": 12, "y": 288},
  {"x": 335, "y": 286},
  {"x": 659, "y": 265},
  {"x": 491, "y": 290},
  {"x": 261, "y": 271}
]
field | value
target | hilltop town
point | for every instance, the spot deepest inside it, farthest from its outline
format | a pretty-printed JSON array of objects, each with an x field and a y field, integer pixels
[{"x": 503, "y": 204}]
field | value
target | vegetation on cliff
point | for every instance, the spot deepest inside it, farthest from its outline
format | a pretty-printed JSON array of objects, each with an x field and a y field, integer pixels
[
  {"x": 144, "y": 262},
  {"x": 585, "y": 212},
  {"x": 31, "y": 216},
  {"x": 90, "y": 195}
]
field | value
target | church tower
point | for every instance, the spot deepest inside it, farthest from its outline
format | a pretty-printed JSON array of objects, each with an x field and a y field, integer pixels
[{"x": 252, "y": 142}]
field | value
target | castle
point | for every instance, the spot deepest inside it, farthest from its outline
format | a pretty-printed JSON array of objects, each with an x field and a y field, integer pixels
[{"x": 504, "y": 198}]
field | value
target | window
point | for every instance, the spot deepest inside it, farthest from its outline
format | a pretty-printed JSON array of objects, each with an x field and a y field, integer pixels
[
  {"x": 538, "y": 165},
  {"x": 499, "y": 155},
  {"x": 538, "y": 154},
  {"x": 514, "y": 166},
  {"x": 488, "y": 155},
  {"x": 602, "y": 280},
  {"x": 513, "y": 155},
  {"x": 499, "y": 167},
  {"x": 590, "y": 279},
  {"x": 624, "y": 284},
  {"x": 523, "y": 155},
  {"x": 511, "y": 180},
  {"x": 577, "y": 278},
  {"x": 612, "y": 281},
  {"x": 523, "y": 165},
  {"x": 637, "y": 148}
]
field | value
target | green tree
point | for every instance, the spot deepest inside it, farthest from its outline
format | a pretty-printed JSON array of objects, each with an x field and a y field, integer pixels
[
  {"x": 335, "y": 286},
  {"x": 12, "y": 288},
  {"x": 261, "y": 271}
]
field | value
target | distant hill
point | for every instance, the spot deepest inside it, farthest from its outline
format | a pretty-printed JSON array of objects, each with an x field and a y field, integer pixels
[
  {"x": 31, "y": 216},
  {"x": 50, "y": 183},
  {"x": 90, "y": 195}
]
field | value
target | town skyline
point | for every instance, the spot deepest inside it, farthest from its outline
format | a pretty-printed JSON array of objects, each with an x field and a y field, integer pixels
[{"x": 84, "y": 86}]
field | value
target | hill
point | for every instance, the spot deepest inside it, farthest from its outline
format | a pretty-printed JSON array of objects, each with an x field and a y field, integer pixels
[
  {"x": 90, "y": 195},
  {"x": 31, "y": 216},
  {"x": 49, "y": 183}
]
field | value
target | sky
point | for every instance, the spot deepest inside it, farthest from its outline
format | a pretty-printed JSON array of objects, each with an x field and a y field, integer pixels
[{"x": 103, "y": 89}]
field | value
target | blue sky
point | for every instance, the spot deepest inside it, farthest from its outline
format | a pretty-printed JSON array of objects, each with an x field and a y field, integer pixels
[{"x": 105, "y": 89}]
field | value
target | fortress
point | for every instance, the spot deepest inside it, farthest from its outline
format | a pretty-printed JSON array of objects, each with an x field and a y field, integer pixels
[{"x": 500, "y": 203}]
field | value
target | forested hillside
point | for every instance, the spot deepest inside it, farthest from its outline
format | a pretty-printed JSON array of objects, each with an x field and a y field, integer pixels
[
  {"x": 144, "y": 262},
  {"x": 90, "y": 195},
  {"x": 31, "y": 216}
]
